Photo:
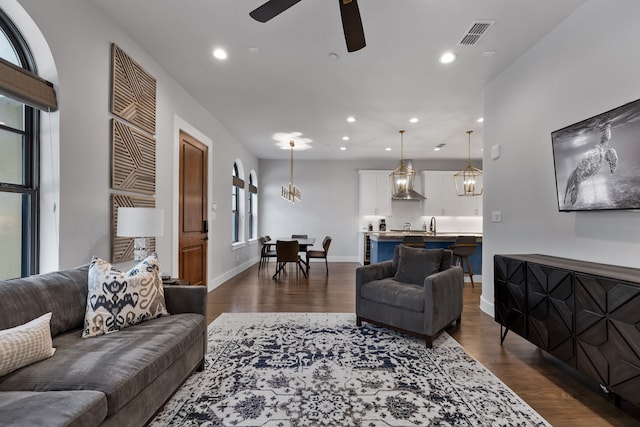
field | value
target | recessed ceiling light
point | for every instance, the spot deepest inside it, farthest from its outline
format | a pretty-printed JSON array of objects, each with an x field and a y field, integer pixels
[
  {"x": 414, "y": 120},
  {"x": 436, "y": 149},
  {"x": 387, "y": 149},
  {"x": 481, "y": 119},
  {"x": 343, "y": 148},
  {"x": 447, "y": 57},
  {"x": 351, "y": 119},
  {"x": 219, "y": 53},
  {"x": 345, "y": 138}
]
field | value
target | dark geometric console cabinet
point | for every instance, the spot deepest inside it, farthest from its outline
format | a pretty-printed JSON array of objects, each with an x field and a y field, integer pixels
[{"x": 585, "y": 314}]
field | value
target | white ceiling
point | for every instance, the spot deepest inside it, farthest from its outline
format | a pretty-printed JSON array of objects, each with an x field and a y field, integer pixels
[{"x": 292, "y": 85}]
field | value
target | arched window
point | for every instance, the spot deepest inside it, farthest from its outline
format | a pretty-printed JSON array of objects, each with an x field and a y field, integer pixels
[
  {"x": 252, "y": 206},
  {"x": 237, "y": 204},
  {"x": 19, "y": 166}
]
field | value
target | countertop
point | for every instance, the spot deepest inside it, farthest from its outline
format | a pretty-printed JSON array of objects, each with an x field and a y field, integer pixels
[{"x": 428, "y": 235}]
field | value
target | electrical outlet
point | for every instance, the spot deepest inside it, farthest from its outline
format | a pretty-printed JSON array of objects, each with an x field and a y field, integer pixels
[{"x": 496, "y": 216}]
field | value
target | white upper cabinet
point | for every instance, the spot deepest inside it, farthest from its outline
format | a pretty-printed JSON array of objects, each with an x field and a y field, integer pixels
[
  {"x": 442, "y": 200},
  {"x": 374, "y": 192}
]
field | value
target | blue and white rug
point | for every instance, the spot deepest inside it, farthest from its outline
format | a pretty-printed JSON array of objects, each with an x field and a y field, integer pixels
[{"x": 308, "y": 369}]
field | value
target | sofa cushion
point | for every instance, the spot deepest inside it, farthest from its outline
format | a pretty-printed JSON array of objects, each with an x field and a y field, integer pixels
[
  {"x": 117, "y": 300},
  {"x": 120, "y": 365},
  {"x": 63, "y": 293},
  {"x": 25, "y": 344},
  {"x": 415, "y": 264},
  {"x": 52, "y": 408},
  {"x": 391, "y": 292}
]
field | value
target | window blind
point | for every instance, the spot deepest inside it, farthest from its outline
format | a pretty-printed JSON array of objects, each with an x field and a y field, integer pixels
[{"x": 26, "y": 87}]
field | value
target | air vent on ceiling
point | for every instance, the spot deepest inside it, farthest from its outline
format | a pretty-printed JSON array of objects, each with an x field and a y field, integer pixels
[{"x": 473, "y": 35}]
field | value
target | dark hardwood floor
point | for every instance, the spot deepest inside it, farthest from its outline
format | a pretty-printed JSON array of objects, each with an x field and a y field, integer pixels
[{"x": 560, "y": 395}]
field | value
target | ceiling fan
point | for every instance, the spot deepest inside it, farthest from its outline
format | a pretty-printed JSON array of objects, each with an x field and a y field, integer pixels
[{"x": 351, "y": 22}]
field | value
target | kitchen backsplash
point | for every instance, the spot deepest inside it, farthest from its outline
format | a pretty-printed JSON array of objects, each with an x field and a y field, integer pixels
[{"x": 411, "y": 212}]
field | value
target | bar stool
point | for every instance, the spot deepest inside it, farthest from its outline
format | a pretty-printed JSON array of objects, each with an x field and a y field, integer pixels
[
  {"x": 462, "y": 249},
  {"x": 413, "y": 241}
]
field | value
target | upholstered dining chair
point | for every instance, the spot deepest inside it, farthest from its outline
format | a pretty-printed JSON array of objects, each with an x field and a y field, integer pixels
[
  {"x": 326, "y": 242},
  {"x": 267, "y": 251},
  {"x": 301, "y": 236},
  {"x": 286, "y": 252},
  {"x": 462, "y": 249}
]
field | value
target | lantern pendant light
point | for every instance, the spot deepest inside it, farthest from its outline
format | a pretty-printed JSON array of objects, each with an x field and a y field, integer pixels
[{"x": 468, "y": 180}]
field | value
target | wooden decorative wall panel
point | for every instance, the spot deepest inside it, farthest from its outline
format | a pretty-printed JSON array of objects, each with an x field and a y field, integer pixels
[
  {"x": 122, "y": 247},
  {"x": 133, "y": 93},
  {"x": 133, "y": 166}
]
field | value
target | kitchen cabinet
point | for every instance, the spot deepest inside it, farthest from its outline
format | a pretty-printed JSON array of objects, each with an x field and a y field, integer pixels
[
  {"x": 374, "y": 192},
  {"x": 442, "y": 200}
]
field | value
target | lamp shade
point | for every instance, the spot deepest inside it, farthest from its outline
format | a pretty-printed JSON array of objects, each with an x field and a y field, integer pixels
[{"x": 140, "y": 222}]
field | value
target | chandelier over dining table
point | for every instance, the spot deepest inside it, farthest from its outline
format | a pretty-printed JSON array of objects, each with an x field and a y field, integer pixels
[{"x": 290, "y": 192}]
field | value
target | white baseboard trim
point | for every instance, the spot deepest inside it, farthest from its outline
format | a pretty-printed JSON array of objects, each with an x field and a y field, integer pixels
[
  {"x": 477, "y": 278},
  {"x": 217, "y": 281},
  {"x": 487, "y": 306}
]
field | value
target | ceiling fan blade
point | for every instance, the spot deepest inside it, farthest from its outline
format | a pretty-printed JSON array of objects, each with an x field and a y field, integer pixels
[
  {"x": 352, "y": 25},
  {"x": 271, "y": 9}
]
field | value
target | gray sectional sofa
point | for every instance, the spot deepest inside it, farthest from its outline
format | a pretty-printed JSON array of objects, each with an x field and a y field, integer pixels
[{"x": 118, "y": 379}]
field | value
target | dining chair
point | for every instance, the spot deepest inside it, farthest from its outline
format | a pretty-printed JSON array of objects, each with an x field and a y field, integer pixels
[
  {"x": 266, "y": 252},
  {"x": 326, "y": 242},
  {"x": 463, "y": 248},
  {"x": 301, "y": 236},
  {"x": 286, "y": 252}
]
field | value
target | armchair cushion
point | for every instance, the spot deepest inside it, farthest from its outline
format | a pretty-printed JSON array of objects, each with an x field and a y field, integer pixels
[
  {"x": 415, "y": 264},
  {"x": 390, "y": 292}
]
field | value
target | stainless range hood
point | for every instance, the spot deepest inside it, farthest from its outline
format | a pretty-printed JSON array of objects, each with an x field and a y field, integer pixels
[{"x": 405, "y": 190}]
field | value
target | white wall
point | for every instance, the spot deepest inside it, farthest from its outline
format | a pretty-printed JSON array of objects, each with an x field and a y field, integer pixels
[
  {"x": 329, "y": 200},
  {"x": 79, "y": 38},
  {"x": 586, "y": 66}
]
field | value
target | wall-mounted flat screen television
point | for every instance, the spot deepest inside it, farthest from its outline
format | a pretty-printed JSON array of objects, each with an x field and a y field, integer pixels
[{"x": 597, "y": 161}]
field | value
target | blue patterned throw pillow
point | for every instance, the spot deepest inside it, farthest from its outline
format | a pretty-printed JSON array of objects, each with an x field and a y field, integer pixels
[{"x": 117, "y": 300}]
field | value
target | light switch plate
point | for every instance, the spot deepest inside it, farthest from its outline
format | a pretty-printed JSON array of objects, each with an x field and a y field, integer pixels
[
  {"x": 496, "y": 216},
  {"x": 495, "y": 151}
]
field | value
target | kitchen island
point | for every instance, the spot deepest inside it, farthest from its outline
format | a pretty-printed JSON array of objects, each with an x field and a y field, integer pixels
[{"x": 384, "y": 242}]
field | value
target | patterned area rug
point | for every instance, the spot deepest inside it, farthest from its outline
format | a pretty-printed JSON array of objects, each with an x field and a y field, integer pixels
[{"x": 305, "y": 369}]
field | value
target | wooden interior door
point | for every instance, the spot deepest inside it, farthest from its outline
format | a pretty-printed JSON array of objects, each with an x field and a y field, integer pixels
[{"x": 193, "y": 235}]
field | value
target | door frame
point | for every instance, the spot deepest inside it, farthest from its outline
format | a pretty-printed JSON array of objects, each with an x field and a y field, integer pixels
[{"x": 179, "y": 124}]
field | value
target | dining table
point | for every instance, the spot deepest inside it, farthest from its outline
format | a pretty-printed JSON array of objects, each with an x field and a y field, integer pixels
[{"x": 303, "y": 242}]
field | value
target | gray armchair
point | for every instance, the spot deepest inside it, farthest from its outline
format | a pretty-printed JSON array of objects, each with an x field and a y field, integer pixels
[{"x": 418, "y": 292}]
